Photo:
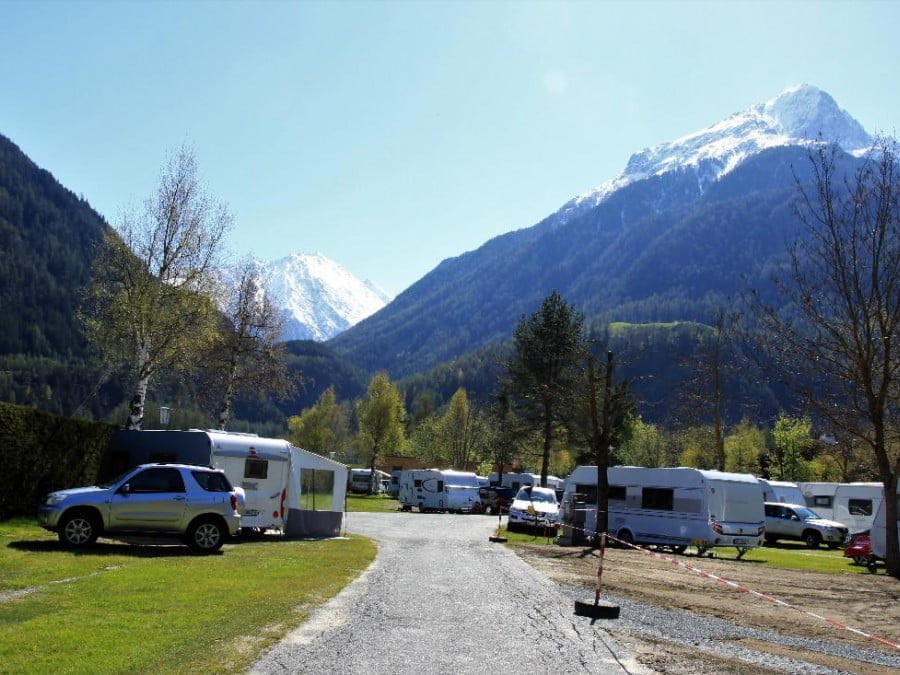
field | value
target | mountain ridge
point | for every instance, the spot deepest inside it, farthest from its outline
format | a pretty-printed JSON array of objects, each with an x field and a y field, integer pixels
[{"x": 599, "y": 242}]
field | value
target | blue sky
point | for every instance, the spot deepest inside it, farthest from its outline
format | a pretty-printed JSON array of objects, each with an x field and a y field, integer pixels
[{"x": 389, "y": 136}]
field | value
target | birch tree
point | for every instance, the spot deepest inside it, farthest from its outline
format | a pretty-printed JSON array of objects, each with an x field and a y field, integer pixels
[
  {"x": 149, "y": 302},
  {"x": 246, "y": 354}
]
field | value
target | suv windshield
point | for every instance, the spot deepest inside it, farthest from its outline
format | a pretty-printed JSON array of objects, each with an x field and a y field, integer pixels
[
  {"x": 807, "y": 514},
  {"x": 536, "y": 495}
]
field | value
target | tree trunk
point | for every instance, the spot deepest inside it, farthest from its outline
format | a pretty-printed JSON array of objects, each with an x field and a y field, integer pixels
[
  {"x": 891, "y": 539},
  {"x": 228, "y": 398},
  {"x": 372, "y": 483},
  {"x": 548, "y": 439},
  {"x": 136, "y": 407}
]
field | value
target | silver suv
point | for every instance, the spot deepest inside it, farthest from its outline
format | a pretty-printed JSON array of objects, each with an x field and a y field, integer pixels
[
  {"x": 197, "y": 504},
  {"x": 793, "y": 521}
]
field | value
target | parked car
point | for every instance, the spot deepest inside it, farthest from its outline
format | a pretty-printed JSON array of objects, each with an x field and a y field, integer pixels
[
  {"x": 859, "y": 548},
  {"x": 195, "y": 503},
  {"x": 534, "y": 507},
  {"x": 793, "y": 521},
  {"x": 495, "y": 500}
]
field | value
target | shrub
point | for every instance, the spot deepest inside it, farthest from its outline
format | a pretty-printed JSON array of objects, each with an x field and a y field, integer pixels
[{"x": 42, "y": 452}]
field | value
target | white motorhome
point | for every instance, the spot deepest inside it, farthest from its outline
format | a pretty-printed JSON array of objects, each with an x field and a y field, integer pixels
[
  {"x": 781, "y": 491},
  {"x": 422, "y": 489},
  {"x": 878, "y": 533},
  {"x": 285, "y": 488},
  {"x": 853, "y": 504},
  {"x": 675, "y": 507},
  {"x": 438, "y": 490}
]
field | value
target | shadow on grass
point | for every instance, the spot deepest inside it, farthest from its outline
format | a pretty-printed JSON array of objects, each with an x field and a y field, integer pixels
[{"x": 165, "y": 549}]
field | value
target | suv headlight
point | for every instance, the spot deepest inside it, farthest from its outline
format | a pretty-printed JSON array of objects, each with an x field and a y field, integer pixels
[{"x": 54, "y": 499}]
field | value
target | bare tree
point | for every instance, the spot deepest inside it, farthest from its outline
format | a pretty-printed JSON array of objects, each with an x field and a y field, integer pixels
[
  {"x": 148, "y": 304},
  {"x": 246, "y": 354},
  {"x": 836, "y": 337}
]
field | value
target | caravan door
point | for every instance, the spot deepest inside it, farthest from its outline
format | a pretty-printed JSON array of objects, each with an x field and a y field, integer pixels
[{"x": 264, "y": 478}]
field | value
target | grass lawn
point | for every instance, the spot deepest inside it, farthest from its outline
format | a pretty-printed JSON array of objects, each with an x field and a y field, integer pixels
[
  {"x": 785, "y": 555},
  {"x": 117, "y": 607},
  {"x": 372, "y": 503}
]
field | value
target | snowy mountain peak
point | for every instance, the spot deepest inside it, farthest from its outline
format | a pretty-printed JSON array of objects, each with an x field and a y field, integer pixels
[
  {"x": 319, "y": 297},
  {"x": 798, "y": 116},
  {"x": 806, "y": 111}
]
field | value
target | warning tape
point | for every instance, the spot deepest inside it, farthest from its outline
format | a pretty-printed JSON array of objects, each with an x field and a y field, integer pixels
[{"x": 733, "y": 584}]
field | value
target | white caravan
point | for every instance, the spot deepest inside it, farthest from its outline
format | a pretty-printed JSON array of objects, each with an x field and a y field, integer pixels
[
  {"x": 461, "y": 489},
  {"x": 781, "y": 491},
  {"x": 437, "y": 490},
  {"x": 676, "y": 507},
  {"x": 517, "y": 480},
  {"x": 878, "y": 534},
  {"x": 285, "y": 488},
  {"x": 360, "y": 480},
  {"x": 853, "y": 504}
]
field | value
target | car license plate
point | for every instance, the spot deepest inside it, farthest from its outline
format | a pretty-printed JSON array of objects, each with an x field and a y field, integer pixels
[
  {"x": 741, "y": 542},
  {"x": 251, "y": 512}
]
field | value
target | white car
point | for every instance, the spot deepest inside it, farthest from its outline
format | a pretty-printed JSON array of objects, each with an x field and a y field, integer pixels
[{"x": 534, "y": 507}]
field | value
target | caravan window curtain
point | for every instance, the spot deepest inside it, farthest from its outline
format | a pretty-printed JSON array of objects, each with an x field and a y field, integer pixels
[{"x": 316, "y": 490}]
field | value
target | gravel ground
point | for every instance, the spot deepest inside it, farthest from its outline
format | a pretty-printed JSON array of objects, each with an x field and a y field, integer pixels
[
  {"x": 441, "y": 598},
  {"x": 677, "y": 622}
]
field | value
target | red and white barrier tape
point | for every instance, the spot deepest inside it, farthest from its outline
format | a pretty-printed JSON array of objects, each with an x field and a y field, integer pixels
[{"x": 746, "y": 589}]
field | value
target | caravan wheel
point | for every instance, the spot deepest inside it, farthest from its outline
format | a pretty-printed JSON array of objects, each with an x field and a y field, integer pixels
[{"x": 421, "y": 508}]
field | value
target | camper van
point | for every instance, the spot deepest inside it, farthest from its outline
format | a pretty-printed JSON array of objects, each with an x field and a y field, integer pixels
[
  {"x": 360, "y": 480},
  {"x": 853, "y": 504},
  {"x": 781, "y": 491},
  {"x": 675, "y": 507},
  {"x": 437, "y": 490},
  {"x": 285, "y": 488}
]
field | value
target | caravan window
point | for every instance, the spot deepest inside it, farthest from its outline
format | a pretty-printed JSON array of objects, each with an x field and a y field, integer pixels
[
  {"x": 256, "y": 468},
  {"x": 822, "y": 500},
  {"x": 418, "y": 482},
  {"x": 859, "y": 507},
  {"x": 617, "y": 492},
  {"x": 657, "y": 498},
  {"x": 316, "y": 490},
  {"x": 586, "y": 494}
]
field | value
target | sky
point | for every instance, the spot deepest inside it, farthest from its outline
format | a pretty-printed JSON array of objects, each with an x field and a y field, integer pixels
[{"x": 389, "y": 136}]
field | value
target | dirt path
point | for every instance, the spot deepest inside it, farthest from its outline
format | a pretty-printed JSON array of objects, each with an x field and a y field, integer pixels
[{"x": 866, "y": 602}]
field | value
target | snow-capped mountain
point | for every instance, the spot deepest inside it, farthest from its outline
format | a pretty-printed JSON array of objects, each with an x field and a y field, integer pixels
[
  {"x": 798, "y": 116},
  {"x": 685, "y": 225},
  {"x": 319, "y": 297}
]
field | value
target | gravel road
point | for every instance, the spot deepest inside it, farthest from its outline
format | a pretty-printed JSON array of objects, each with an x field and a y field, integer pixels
[{"x": 440, "y": 598}]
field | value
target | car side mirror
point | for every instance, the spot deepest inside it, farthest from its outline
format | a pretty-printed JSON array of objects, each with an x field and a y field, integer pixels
[{"x": 125, "y": 489}]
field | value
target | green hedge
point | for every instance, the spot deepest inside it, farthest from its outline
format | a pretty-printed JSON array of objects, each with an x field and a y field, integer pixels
[{"x": 42, "y": 452}]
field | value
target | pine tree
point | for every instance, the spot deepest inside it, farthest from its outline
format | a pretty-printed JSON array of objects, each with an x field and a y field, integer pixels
[{"x": 544, "y": 371}]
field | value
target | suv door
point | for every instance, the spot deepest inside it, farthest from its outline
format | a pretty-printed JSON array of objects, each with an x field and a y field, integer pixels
[
  {"x": 792, "y": 523},
  {"x": 155, "y": 500}
]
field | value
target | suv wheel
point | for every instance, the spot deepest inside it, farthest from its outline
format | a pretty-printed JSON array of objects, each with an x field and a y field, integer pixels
[
  {"x": 205, "y": 535},
  {"x": 812, "y": 539},
  {"x": 78, "y": 530}
]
